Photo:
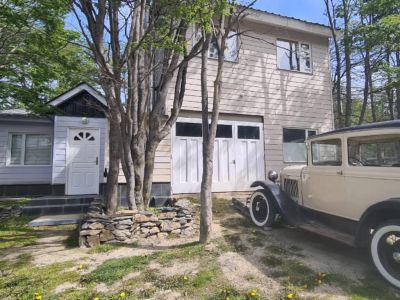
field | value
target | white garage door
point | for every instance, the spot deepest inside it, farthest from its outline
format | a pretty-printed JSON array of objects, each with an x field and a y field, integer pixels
[{"x": 238, "y": 156}]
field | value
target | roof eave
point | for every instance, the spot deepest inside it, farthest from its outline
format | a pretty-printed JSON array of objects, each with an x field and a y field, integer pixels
[{"x": 288, "y": 23}]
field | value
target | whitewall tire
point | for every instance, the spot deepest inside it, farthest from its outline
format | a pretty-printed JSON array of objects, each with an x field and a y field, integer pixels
[
  {"x": 262, "y": 210},
  {"x": 385, "y": 251}
]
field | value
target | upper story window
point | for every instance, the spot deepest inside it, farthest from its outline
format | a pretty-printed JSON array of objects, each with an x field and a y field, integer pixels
[
  {"x": 29, "y": 149},
  {"x": 231, "y": 51},
  {"x": 379, "y": 151},
  {"x": 294, "y": 146},
  {"x": 294, "y": 56}
]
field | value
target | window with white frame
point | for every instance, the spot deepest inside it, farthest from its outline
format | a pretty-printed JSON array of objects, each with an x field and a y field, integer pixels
[
  {"x": 293, "y": 56},
  {"x": 29, "y": 149},
  {"x": 294, "y": 147},
  {"x": 231, "y": 50}
]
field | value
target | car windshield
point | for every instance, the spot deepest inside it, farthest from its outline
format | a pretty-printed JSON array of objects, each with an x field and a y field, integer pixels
[
  {"x": 375, "y": 151},
  {"x": 327, "y": 153}
]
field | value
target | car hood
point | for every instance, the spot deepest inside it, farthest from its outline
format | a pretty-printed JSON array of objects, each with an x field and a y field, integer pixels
[{"x": 293, "y": 171}]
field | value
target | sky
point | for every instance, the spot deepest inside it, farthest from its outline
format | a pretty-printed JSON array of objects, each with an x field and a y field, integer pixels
[{"x": 308, "y": 10}]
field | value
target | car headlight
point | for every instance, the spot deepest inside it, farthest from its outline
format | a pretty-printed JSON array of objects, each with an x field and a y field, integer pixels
[{"x": 273, "y": 176}]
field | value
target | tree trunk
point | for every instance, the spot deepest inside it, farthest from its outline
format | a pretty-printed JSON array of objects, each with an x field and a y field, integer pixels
[
  {"x": 205, "y": 192},
  {"x": 111, "y": 195},
  {"x": 389, "y": 89},
  {"x": 148, "y": 171},
  {"x": 338, "y": 71},
  {"x": 347, "y": 55},
  {"x": 398, "y": 83}
]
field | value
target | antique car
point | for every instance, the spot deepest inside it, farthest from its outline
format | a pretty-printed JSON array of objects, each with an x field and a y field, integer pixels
[{"x": 349, "y": 191}]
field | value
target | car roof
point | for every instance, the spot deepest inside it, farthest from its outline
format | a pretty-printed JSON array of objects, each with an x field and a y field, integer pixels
[{"x": 370, "y": 126}]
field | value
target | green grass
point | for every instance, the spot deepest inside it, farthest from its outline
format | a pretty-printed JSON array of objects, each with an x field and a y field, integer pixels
[
  {"x": 183, "y": 252},
  {"x": 20, "y": 280},
  {"x": 104, "y": 248},
  {"x": 115, "y": 269},
  {"x": 15, "y": 232}
]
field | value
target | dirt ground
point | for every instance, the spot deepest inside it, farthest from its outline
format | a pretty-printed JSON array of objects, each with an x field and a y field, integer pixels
[{"x": 241, "y": 262}]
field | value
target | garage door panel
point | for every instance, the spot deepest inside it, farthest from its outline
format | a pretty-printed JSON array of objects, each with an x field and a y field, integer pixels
[{"x": 238, "y": 157}]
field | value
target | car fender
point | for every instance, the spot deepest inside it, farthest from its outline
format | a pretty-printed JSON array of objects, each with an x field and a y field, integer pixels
[
  {"x": 375, "y": 214},
  {"x": 286, "y": 207}
]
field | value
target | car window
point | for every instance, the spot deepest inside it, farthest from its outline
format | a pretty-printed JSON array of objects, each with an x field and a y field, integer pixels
[
  {"x": 375, "y": 151},
  {"x": 327, "y": 152}
]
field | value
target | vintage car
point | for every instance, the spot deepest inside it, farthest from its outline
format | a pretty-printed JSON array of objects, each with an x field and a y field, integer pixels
[{"x": 349, "y": 191}]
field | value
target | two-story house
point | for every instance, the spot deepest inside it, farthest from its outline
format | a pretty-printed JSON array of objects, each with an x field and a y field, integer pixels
[{"x": 276, "y": 93}]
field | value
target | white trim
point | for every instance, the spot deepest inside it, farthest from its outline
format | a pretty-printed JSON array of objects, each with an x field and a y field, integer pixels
[
  {"x": 76, "y": 90},
  {"x": 24, "y": 134}
]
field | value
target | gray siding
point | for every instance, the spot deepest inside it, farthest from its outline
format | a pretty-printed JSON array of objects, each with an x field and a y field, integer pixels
[
  {"x": 61, "y": 125},
  {"x": 22, "y": 174}
]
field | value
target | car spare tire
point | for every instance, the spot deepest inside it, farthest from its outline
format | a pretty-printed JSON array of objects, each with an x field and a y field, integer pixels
[
  {"x": 262, "y": 210},
  {"x": 385, "y": 251}
]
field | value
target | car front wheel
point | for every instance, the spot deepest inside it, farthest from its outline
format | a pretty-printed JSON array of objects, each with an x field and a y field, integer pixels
[
  {"x": 385, "y": 251},
  {"x": 262, "y": 210}
]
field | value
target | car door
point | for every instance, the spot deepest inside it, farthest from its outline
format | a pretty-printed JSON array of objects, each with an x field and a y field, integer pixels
[{"x": 323, "y": 179}]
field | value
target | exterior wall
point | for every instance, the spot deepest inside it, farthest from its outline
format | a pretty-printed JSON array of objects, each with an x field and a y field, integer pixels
[
  {"x": 61, "y": 125},
  {"x": 10, "y": 175},
  {"x": 255, "y": 86}
]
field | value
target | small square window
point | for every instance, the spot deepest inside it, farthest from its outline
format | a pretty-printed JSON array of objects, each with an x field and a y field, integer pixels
[
  {"x": 189, "y": 129},
  {"x": 293, "y": 56},
  {"x": 231, "y": 50},
  {"x": 224, "y": 131},
  {"x": 294, "y": 147},
  {"x": 249, "y": 132}
]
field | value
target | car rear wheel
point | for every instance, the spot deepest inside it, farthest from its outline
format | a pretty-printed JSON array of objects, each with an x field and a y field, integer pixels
[
  {"x": 262, "y": 210},
  {"x": 385, "y": 251}
]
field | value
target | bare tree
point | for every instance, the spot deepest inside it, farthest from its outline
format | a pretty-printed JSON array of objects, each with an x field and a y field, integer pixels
[
  {"x": 337, "y": 78},
  {"x": 222, "y": 30},
  {"x": 130, "y": 41}
]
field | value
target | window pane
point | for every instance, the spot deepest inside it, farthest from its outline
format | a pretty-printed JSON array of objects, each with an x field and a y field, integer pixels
[
  {"x": 374, "y": 152},
  {"x": 248, "y": 132},
  {"x": 294, "y": 152},
  {"x": 188, "y": 129},
  {"x": 231, "y": 50},
  {"x": 16, "y": 149},
  {"x": 37, "y": 149},
  {"x": 288, "y": 55},
  {"x": 305, "y": 59},
  {"x": 327, "y": 153},
  {"x": 224, "y": 131},
  {"x": 311, "y": 133},
  {"x": 294, "y": 135}
]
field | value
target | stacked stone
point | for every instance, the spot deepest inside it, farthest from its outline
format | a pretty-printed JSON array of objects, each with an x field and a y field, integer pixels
[
  {"x": 126, "y": 226},
  {"x": 10, "y": 212}
]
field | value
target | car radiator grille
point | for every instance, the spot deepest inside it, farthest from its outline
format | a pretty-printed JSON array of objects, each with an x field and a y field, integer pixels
[{"x": 291, "y": 187}]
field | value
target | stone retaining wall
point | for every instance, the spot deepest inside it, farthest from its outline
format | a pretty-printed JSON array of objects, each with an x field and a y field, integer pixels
[
  {"x": 9, "y": 212},
  {"x": 126, "y": 226}
]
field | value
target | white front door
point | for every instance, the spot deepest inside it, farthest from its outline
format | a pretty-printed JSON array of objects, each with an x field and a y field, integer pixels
[
  {"x": 83, "y": 151},
  {"x": 238, "y": 156}
]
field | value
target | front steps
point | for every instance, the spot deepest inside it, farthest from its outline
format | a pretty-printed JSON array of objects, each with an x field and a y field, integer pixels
[
  {"x": 56, "y": 220},
  {"x": 58, "y": 205}
]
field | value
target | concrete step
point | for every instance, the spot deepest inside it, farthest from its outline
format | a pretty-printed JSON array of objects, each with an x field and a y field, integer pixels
[
  {"x": 56, "y": 220},
  {"x": 55, "y": 209},
  {"x": 61, "y": 200}
]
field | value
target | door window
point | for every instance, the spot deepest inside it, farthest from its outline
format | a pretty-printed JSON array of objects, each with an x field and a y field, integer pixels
[
  {"x": 189, "y": 129},
  {"x": 380, "y": 151},
  {"x": 327, "y": 152},
  {"x": 249, "y": 132},
  {"x": 224, "y": 131}
]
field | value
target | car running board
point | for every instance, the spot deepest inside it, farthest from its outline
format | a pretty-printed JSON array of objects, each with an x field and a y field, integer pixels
[{"x": 321, "y": 229}]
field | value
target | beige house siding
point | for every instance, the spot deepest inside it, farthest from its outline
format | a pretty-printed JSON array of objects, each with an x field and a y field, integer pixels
[{"x": 255, "y": 86}]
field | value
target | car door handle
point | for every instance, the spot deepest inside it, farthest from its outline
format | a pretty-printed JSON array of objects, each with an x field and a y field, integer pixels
[
  {"x": 97, "y": 160},
  {"x": 339, "y": 172}
]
